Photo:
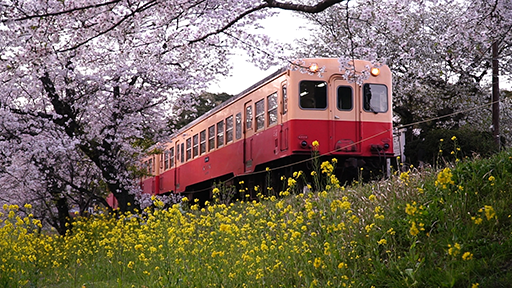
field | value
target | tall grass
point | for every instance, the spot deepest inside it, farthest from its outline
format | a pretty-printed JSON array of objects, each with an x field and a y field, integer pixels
[{"x": 442, "y": 228}]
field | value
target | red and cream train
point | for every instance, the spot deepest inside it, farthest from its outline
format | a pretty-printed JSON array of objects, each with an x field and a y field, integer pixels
[{"x": 273, "y": 124}]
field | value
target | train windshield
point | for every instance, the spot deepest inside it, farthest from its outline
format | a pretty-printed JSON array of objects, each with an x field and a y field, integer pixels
[
  {"x": 313, "y": 94},
  {"x": 375, "y": 98}
]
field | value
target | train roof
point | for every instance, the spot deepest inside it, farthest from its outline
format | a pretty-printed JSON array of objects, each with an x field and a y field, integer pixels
[{"x": 231, "y": 100}]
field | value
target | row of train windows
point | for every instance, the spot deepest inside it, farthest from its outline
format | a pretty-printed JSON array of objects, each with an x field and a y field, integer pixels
[
  {"x": 260, "y": 116},
  {"x": 222, "y": 133},
  {"x": 313, "y": 95}
]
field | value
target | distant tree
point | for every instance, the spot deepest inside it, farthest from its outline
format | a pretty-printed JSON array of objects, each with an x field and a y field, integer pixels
[{"x": 188, "y": 108}]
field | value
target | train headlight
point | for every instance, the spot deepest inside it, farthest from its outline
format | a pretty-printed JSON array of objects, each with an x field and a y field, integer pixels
[
  {"x": 314, "y": 67},
  {"x": 304, "y": 144},
  {"x": 375, "y": 71}
]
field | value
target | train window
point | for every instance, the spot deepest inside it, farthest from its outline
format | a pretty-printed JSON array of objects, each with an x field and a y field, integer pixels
[
  {"x": 238, "y": 126},
  {"x": 182, "y": 156},
  {"x": 375, "y": 98},
  {"x": 195, "y": 145},
  {"x": 344, "y": 98},
  {"x": 313, "y": 94},
  {"x": 260, "y": 114},
  {"x": 150, "y": 166},
  {"x": 211, "y": 137},
  {"x": 248, "y": 117},
  {"x": 145, "y": 166},
  {"x": 166, "y": 160},
  {"x": 229, "y": 129},
  {"x": 202, "y": 141},
  {"x": 189, "y": 148},
  {"x": 220, "y": 134},
  {"x": 172, "y": 157},
  {"x": 272, "y": 109},
  {"x": 285, "y": 100}
]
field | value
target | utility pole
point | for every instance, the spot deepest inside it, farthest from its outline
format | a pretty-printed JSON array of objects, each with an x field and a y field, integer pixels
[{"x": 495, "y": 95}]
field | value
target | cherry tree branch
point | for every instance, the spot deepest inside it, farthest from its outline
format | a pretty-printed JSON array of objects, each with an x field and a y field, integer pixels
[
  {"x": 58, "y": 13},
  {"x": 319, "y": 7},
  {"x": 138, "y": 10}
]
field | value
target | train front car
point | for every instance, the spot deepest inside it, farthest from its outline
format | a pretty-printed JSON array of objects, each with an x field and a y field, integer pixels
[
  {"x": 351, "y": 119},
  {"x": 268, "y": 131}
]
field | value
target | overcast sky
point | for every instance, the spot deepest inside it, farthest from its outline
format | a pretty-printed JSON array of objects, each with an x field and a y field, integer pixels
[{"x": 289, "y": 30}]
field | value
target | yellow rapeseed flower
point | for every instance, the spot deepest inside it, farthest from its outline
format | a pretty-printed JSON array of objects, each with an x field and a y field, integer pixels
[
  {"x": 404, "y": 176},
  {"x": 467, "y": 256},
  {"x": 477, "y": 221},
  {"x": 454, "y": 250},
  {"x": 489, "y": 212},
  {"x": 444, "y": 177},
  {"x": 317, "y": 263},
  {"x": 411, "y": 209},
  {"x": 131, "y": 264},
  {"x": 315, "y": 144},
  {"x": 326, "y": 167},
  {"x": 339, "y": 204},
  {"x": 414, "y": 230}
]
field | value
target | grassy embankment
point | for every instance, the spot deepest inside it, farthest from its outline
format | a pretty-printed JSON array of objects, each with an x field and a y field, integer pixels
[{"x": 443, "y": 228}]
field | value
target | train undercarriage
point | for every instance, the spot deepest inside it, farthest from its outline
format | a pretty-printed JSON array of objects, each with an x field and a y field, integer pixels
[{"x": 271, "y": 178}]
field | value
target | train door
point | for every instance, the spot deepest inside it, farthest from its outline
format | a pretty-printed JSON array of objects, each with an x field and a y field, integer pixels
[
  {"x": 152, "y": 171},
  {"x": 284, "y": 118},
  {"x": 248, "y": 133},
  {"x": 177, "y": 165},
  {"x": 345, "y": 115}
]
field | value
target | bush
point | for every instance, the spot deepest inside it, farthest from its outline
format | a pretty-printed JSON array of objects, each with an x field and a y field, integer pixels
[{"x": 449, "y": 145}]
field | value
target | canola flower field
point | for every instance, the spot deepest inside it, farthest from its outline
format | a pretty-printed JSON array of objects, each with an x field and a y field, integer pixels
[{"x": 438, "y": 228}]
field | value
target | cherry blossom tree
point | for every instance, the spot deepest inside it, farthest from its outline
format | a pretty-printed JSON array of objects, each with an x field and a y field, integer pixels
[
  {"x": 82, "y": 81},
  {"x": 439, "y": 52}
]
